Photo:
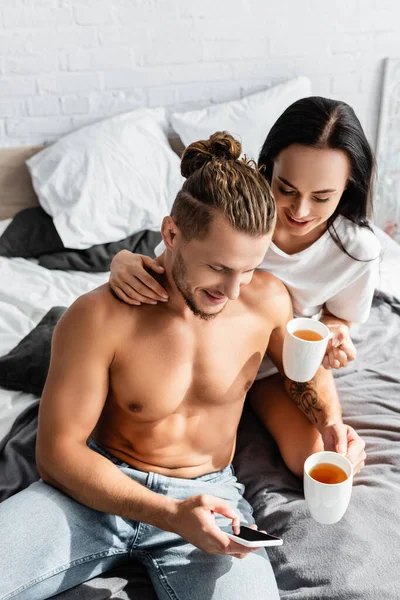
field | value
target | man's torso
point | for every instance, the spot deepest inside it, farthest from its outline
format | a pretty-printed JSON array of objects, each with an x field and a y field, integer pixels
[{"x": 177, "y": 387}]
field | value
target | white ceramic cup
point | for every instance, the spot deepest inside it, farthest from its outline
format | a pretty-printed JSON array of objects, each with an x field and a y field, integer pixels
[
  {"x": 302, "y": 358},
  {"x": 327, "y": 502}
]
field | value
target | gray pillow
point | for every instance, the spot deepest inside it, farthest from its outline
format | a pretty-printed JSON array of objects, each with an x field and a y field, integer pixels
[
  {"x": 30, "y": 234},
  {"x": 25, "y": 367},
  {"x": 97, "y": 259}
]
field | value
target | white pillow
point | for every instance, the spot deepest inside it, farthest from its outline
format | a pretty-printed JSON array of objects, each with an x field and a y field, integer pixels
[
  {"x": 250, "y": 118},
  {"x": 389, "y": 268},
  {"x": 108, "y": 180}
]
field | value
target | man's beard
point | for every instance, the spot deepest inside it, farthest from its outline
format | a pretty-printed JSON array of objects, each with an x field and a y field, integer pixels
[{"x": 179, "y": 275}]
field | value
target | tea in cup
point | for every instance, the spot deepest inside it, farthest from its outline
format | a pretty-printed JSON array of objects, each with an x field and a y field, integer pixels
[
  {"x": 328, "y": 482},
  {"x": 304, "y": 348}
]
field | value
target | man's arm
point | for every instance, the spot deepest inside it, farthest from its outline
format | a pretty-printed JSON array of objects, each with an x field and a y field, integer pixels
[{"x": 73, "y": 398}]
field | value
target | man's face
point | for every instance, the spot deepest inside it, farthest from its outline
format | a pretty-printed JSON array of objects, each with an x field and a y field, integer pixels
[{"x": 210, "y": 271}]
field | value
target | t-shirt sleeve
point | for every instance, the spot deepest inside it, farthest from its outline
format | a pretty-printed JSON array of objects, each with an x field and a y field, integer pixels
[{"x": 353, "y": 303}]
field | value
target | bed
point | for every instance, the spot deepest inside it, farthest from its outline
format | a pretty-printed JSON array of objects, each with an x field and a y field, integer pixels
[{"x": 359, "y": 557}]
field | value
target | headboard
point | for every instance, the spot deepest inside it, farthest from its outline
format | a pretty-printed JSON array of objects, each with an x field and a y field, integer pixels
[{"x": 16, "y": 191}]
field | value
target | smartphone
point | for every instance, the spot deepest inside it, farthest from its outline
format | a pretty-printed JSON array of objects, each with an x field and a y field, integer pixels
[{"x": 252, "y": 538}]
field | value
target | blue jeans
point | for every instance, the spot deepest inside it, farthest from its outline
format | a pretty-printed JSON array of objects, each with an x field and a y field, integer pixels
[{"x": 50, "y": 543}]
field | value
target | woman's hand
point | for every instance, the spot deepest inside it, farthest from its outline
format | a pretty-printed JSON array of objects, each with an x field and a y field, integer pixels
[
  {"x": 340, "y": 350},
  {"x": 130, "y": 281}
]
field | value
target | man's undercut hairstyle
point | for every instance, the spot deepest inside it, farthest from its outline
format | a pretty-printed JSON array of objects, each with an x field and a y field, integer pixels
[{"x": 219, "y": 182}]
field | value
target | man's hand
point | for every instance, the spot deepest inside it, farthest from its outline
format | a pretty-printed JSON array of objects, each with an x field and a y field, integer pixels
[
  {"x": 340, "y": 350},
  {"x": 345, "y": 440},
  {"x": 194, "y": 521}
]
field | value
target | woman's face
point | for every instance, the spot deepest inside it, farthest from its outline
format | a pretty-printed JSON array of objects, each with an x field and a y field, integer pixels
[{"x": 307, "y": 184}]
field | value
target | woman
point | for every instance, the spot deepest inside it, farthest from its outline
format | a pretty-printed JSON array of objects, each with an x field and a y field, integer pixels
[{"x": 320, "y": 167}]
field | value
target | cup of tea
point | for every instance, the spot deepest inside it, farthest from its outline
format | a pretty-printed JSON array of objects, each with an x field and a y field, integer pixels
[
  {"x": 304, "y": 347},
  {"x": 328, "y": 481}
]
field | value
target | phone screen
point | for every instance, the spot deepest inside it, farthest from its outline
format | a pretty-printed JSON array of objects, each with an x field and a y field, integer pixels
[{"x": 252, "y": 535}]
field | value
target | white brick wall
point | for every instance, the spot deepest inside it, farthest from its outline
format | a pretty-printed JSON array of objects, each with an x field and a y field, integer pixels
[{"x": 65, "y": 63}]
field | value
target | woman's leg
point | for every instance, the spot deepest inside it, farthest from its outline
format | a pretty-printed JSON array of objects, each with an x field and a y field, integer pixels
[{"x": 295, "y": 435}]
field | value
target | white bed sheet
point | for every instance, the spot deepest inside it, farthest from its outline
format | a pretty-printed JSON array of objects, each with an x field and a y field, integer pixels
[
  {"x": 27, "y": 292},
  {"x": 389, "y": 280}
]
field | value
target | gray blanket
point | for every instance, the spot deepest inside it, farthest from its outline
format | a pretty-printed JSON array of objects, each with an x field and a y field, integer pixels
[{"x": 357, "y": 558}]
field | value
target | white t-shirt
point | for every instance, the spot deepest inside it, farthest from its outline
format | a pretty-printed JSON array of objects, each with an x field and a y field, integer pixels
[{"x": 323, "y": 274}]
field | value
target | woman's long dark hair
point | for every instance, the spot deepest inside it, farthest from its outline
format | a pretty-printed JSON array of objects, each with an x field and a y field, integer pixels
[{"x": 324, "y": 123}]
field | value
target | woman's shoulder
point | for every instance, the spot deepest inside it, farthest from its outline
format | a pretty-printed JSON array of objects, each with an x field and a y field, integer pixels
[{"x": 359, "y": 241}]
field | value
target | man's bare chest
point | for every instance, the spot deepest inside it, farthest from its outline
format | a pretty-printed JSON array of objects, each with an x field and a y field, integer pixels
[{"x": 172, "y": 368}]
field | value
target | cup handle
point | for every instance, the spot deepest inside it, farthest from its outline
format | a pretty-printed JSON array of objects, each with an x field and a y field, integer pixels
[{"x": 330, "y": 336}]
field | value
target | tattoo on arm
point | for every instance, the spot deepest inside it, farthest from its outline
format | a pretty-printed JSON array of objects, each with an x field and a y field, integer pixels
[{"x": 305, "y": 397}]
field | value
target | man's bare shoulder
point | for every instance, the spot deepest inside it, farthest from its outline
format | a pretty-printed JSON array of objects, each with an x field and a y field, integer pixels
[
  {"x": 98, "y": 311},
  {"x": 266, "y": 294}
]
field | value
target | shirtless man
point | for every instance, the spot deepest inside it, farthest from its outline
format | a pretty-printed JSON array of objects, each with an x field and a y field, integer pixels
[{"x": 139, "y": 414}]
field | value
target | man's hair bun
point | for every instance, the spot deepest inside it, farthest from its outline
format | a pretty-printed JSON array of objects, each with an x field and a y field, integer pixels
[{"x": 220, "y": 146}]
